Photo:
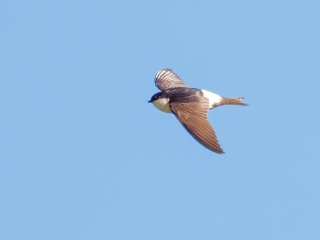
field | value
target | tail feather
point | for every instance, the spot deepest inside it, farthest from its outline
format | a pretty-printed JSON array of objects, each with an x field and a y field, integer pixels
[{"x": 233, "y": 101}]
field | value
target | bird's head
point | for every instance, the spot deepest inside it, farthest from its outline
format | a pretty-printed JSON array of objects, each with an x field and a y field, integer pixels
[
  {"x": 156, "y": 97},
  {"x": 161, "y": 101}
]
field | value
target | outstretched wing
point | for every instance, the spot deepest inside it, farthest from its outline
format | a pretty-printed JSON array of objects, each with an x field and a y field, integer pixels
[
  {"x": 194, "y": 117},
  {"x": 166, "y": 78}
]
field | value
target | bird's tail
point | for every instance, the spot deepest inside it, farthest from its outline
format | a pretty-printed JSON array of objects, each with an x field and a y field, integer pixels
[{"x": 233, "y": 101}]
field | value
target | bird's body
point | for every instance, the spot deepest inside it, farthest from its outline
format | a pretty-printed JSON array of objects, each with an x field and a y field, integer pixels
[
  {"x": 190, "y": 106},
  {"x": 185, "y": 95}
]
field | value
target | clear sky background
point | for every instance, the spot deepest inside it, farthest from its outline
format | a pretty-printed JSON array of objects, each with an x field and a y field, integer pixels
[{"x": 84, "y": 156}]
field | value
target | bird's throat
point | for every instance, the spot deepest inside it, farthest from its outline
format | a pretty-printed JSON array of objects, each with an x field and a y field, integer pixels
[{"x": 162, "y": 104}]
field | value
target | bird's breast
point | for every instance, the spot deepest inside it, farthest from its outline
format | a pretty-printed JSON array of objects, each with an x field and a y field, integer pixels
[{"x": 162, "y": 104}]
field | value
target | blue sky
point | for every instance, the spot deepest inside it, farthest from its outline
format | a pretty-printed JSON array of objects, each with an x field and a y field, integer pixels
[{"x": 84, "y": 156}]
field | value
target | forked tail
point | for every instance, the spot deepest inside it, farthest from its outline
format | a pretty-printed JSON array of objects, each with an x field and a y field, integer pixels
[{"x": 233, "y": 101}]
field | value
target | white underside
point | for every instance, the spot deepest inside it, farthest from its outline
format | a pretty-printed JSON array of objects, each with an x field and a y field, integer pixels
[
  {"x": 214, "y": 99},
  {"x": 162, "y": 104}
]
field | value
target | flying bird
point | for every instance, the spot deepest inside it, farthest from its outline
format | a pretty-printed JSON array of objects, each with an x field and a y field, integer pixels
[{"x": 190, "y": 106}]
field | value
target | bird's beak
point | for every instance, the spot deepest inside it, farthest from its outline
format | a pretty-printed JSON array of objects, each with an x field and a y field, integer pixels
[{"x": 149, "y": 101}]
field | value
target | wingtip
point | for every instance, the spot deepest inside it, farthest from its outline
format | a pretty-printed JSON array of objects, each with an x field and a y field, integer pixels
[{"x": 218, "y": 151}]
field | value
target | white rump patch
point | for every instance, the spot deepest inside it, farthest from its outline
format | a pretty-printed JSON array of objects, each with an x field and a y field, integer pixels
[{"x": 214, "y": 99}]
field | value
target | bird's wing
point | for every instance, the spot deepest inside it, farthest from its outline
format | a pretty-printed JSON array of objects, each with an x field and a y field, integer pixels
[
  {"x": 166, "y": 78},
  {"x": 194, "y": 117}
]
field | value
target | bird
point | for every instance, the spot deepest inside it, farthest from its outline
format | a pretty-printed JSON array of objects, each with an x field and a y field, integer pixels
[{"x": 190, "y": 106}]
